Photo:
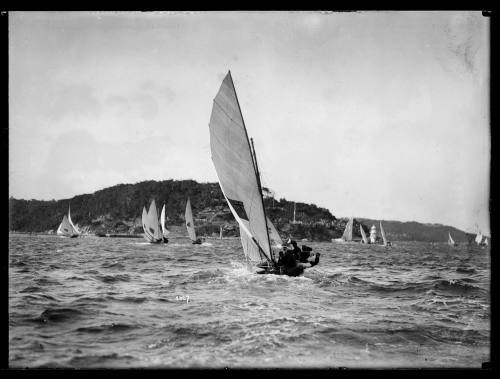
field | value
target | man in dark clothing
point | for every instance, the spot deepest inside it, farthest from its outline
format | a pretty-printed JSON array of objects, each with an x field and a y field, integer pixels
[
  {"x": 295, "y": 249},
  {"x": 305, "y": 254}
]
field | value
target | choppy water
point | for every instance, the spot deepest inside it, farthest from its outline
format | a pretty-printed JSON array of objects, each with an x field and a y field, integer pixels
[{"x": 112, "y": 302}]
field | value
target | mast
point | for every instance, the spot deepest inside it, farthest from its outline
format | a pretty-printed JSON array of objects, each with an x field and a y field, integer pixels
[
  {"x": 261, "y": 196},
  {"x": 255, "y": 167}
]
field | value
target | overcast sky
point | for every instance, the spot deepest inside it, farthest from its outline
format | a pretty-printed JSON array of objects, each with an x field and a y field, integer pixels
[{"x": 381, "y": 115}]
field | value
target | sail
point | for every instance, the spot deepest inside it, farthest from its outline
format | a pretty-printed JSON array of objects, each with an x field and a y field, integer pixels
[
  {"x": 479, "y": 237},
  {"x": 450, "y": 240},
  {"x": 235, "y": 166},
  {"x": 383, "y": 234},
  {"x": 150, "y": 224},
  {"x": 164, "y": 230},
  {"x": 347, "y": 236},
  {"x": 250, "y": 249},
  {"x": 274, "y": 236},
  {"x": 190, "y": 221},
  {"x": 75, "y": 229},
  {"x": 363, "y": 235},
  {"x": 65, "y": 228},
  {"x": 144, "y": 216}
]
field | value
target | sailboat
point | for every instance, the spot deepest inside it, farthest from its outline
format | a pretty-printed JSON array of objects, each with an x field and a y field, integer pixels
[
  {"x": 479, "y": 238},
  {"x": 363, "y": 235},
  {"x": 347, "y": 236},
  {"x": 164, "y": 230},
  {"x": 451, "y": 242},
  {"x": 151, "y": 225},
  {"x": 190, "y": 223},
  {"x": 236, "y": 166},
  {"x": 384, "y": 239},
  {"x": 67, "y": 228}
]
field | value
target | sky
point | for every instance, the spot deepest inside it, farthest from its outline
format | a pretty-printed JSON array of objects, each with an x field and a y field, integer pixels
[{"x": 380, "y": 115}]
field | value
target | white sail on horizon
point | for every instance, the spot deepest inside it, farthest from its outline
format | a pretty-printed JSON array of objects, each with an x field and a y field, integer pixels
[
  {"x": 151, "y": 224},
  {"x": 164, "y": 229},
  {"x": 190, "y": 221},
  {"x": 66, "y": 228},
  {"x": 71, "y": 222},
  {"x": 383, "y": 234},
  {"x": 363, "y": 235},
  {"x": 235, "y": 167},
  {"x": 479, "y": 238},
  {"x": 347, "y": 236},
  {"x": 451, "y": 242}
]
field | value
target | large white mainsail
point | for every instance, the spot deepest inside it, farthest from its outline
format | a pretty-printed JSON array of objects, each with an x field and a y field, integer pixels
[
  {"x": 236, "y": 169},
  {"x": 363, "y": 235},
  {"x": 190, "y": 221},
  {"x": 66, "y": 228},
  {"x": 383, "y": 234},
  {"x": 164, "y": 229},
  {"x": 151, "y": 225}
]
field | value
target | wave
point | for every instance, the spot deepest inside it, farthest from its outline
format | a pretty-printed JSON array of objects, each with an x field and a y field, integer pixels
[
  {"x": 104, "y": 360},
  {"x": 106, "y": 328},
  {"x": 112, "y": 265},
  {"x": 455, "y": 286},
  {"x": 30, "y": 289},
  {"x": 114, "y": 278},
  {"x": 466, "y": 270},
  {"x": 46, "y": 281},
  {"x": 58, "y": 315}
]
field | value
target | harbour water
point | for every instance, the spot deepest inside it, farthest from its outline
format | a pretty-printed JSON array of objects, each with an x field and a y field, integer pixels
[{"x": 121, "y": 303}]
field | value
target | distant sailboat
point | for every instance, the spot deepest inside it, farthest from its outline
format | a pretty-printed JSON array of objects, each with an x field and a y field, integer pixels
[
  {"x": 385, "y": 242},
  {"x": 190, "y": 223},
  {"x": 67, "y": 228},
  {"x": 347, "y": 236},
  {"x": 164, "y": 229},
  {"x": 363, "y": 235},
  {"x": 151, "y": 225},
  {"x": 479, "y": 238},
  {"x": 451, "y": 242},
  {"x": 220, "y": 232}
]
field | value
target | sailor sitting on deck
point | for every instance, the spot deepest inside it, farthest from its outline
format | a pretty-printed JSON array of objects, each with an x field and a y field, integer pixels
[
  {"x": 295, "y": 249},
  {"x": 300, "y": 255}
]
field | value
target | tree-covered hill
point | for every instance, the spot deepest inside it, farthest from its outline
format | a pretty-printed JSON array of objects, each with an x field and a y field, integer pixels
[{"x": 118, "y": 209}]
